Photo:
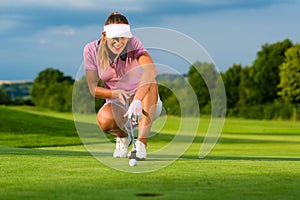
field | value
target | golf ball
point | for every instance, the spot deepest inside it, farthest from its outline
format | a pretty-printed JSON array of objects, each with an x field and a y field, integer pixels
[{"x": 132, "y": 162}]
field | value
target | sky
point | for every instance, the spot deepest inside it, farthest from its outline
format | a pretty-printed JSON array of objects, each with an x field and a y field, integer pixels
[{"x": 37, "y": 34}]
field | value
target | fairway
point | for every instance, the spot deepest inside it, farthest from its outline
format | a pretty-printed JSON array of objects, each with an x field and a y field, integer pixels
[{"x": 41, "y": 157}]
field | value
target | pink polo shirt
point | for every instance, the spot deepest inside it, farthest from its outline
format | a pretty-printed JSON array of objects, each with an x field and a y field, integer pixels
[{"x": 121, "y": 74}]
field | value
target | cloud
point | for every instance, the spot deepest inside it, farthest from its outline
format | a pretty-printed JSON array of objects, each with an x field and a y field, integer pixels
[
  {"x": 84, "y": 12},
  {"x": 50, "y": 3},
  {"x": 235, "y": 35},
  {"x": 43, "y": 41},
  {"x": 28, "y": 16},
  {"x": 52, "y": 33},
  {"x": 194, "y": 7},
  {"x": 66, "y": 31},
  {"x": 8, "y": 23}
]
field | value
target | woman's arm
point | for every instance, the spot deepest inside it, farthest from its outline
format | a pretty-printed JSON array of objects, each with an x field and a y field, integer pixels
[
  {"x": 95, "y": 90},
  {"x": 148, "y": 76},
  {"x": 101, "y": 92}
]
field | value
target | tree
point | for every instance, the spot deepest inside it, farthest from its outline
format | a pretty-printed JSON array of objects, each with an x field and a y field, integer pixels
[
  {"x": 166, "y": 92},
  {"x": 202, "y": 77},
  {"x": 51, "y": 89},
  {"x": 218, "y": 100},
  {"x": 290, "y": 77},
  {"x": 247, "y": 95},
  {"x": 232, "y": 79},
  {"x": 4, "y": 98},
  {"x": 266, "y": 71},
  {"x": 83, "y": 101}
]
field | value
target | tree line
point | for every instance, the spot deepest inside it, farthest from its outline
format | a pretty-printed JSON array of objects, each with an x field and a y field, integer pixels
[
  {"x": 15, "y": 93},
  {"x": 269, "y": 88}
]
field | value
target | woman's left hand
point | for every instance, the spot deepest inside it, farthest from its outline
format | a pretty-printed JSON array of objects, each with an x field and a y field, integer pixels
[{"x": 121, "y": 95}]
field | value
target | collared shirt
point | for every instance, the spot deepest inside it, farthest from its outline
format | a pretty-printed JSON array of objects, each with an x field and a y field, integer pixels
[{"x": 120, "y": 74}]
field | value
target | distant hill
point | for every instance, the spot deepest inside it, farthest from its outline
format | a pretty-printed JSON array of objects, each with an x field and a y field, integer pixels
[
  {"x": 20, "y": 89},
  {"x": 172, "y": 80},
  {"x": 17, "y": 89},
  {"x": 170, "y": 77}
]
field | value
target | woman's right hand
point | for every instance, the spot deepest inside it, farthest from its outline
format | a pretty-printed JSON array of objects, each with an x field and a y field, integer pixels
[{"x": 121, "y": 95}]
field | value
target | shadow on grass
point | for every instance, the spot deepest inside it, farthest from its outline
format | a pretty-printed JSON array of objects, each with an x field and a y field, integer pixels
[
  {"x": 199, "y": 139},
  {"x": 263, "y": 134},
  {"x": 52, "y": 152},
  {"x": 40, "y": 152},
  {"x": 12, "y": 151},
  {"x": 239, "y": 158}
]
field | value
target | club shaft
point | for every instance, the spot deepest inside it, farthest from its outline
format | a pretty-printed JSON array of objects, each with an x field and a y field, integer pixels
[{"x": 132, "y": 133}]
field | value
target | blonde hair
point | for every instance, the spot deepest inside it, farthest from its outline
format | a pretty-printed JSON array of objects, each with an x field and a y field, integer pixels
[{"x": 102, "y": 54}]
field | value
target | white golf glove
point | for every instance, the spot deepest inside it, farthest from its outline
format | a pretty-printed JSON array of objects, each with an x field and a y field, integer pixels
[{"x": 134, "y": 112}]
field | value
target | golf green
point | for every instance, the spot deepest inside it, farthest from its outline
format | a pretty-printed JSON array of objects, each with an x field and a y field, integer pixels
[{"x": 42, "y": 157}]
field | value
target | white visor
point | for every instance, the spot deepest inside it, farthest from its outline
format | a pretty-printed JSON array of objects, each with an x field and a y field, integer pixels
[{"x": 117, "y": 30}]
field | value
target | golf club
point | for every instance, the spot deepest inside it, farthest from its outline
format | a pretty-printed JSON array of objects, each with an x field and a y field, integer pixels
[{"x": 133, "y": 151}]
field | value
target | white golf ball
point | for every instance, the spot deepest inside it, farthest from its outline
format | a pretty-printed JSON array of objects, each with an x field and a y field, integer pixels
[{"x": 132, "y": 162}]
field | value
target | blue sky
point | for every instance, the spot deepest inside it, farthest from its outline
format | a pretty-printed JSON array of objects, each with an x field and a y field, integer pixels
[{"x": 36, "y": 34}]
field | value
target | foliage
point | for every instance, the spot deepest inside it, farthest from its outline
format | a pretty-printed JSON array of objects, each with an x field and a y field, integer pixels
[
  {"x": 279, "y": 109},
  {"x": 218, "y": 102},
  {"x": 51, "y": 89},
  {"x": 18, "y": 89},
  {"x": 21, "y": 101},
  {"x": 232, "y": 79},
  {"x": 246, "y": 94},
  {"x": 267, "y": 89},
  {"x": 168, "y": 85},
  {"x": 202, "y": 77},
  {"x": 15, "y": 93},
  {"x": 252, "y": 91},
  {"x": 266, "y": 71},
  {"x": 83, "y": 101},
  {"x": 290, "y": 77},
  {"x": 4, "y": 98}
]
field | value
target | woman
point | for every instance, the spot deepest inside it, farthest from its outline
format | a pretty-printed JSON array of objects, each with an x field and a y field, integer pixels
[{"x": 128, "y": 73}]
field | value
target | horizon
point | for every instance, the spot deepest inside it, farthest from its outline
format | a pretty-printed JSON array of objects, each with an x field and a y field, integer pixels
[{"x": 231, "y": 31}]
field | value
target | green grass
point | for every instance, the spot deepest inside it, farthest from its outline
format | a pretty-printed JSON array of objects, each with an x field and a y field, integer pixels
[
  {"x": 252, "y": 160},
  {"x": 23, "y": 129}
]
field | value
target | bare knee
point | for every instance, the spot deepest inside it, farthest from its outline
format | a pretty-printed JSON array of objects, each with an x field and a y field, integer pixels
[{"x": 105, "y": 122}]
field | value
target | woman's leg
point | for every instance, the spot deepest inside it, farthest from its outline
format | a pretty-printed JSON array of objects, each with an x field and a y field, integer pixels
[
  {"x": 109, "y": 117},
  {"x": 111, "y": 120},
  {"x": 149, "y": 109}
]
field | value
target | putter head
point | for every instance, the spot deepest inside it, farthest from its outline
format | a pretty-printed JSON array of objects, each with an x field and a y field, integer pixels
[{"x": 132, "y": 154}]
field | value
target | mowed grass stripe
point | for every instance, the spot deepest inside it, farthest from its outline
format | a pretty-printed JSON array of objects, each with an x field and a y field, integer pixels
[
  {"x": 23, "y": 129},
  {"x": 259, "y": 138},
  {"x": 56, "y": 174},
  {"x": 240, "y": 166}
]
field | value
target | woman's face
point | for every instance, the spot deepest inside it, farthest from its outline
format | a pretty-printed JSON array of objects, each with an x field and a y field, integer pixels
[{"x": 117, "y": 45}]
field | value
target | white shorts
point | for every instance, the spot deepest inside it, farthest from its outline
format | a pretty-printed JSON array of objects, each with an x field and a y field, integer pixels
[
  {"x": 116, "y": 102},
  {"x": 125, "y": 124}
]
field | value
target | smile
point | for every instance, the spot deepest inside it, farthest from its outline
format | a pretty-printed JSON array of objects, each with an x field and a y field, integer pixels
[{"x": 117, "y": 48}]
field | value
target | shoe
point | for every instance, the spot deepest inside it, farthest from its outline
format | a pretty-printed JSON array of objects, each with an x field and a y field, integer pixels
[
  {"x": 122, "y": 144},
  {"x": 141, "y": 153}
]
